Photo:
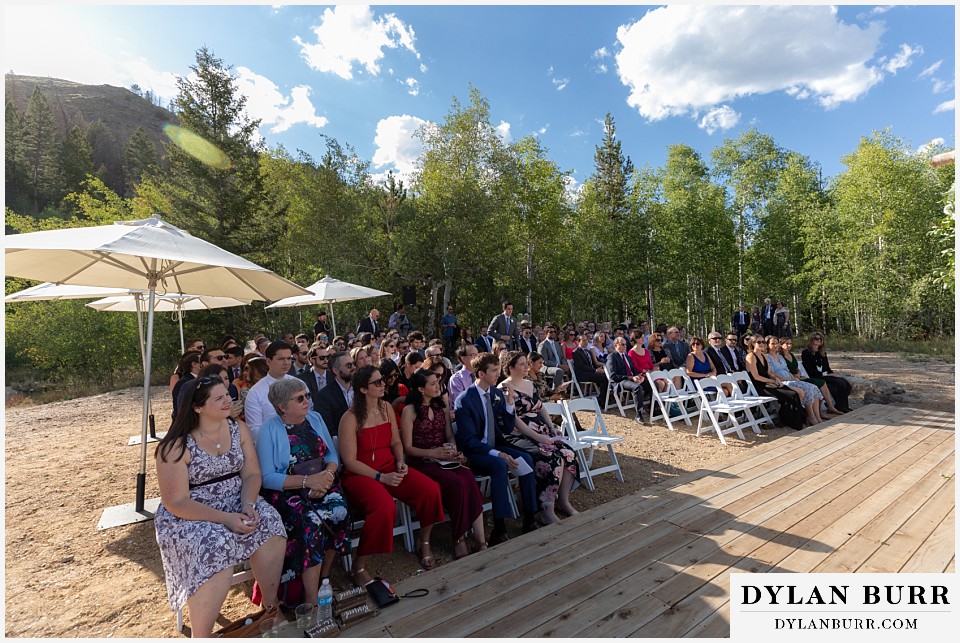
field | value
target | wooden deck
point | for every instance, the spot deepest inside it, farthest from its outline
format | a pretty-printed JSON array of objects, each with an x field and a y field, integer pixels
[{"x": 872, "y": 491}]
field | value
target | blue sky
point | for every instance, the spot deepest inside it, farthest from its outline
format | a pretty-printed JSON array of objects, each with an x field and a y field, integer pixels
[{"x": 815, "y": 77}]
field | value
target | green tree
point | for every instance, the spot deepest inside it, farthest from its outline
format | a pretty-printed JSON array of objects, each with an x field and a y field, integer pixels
[
  {"x": 140, "y": 157},
  {"x": 76, "y": 160},
  {"x": 15, "y": 160},
  {"x": 40, "y": 150}
]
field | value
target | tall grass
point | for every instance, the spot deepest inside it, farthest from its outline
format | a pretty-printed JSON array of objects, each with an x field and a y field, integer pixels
[{"x": 942, "y": 347}]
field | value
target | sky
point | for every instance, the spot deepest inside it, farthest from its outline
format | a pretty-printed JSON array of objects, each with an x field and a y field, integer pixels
[{"x": 816, "y": 78}]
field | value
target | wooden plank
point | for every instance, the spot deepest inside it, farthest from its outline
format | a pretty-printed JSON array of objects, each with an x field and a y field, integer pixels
[{"x": 937, "y": 551}]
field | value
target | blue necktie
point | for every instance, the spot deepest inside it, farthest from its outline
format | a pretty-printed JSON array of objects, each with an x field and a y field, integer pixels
[{"x": 488, "y": 432}]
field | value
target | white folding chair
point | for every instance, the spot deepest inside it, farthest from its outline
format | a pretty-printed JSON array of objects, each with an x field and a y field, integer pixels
[
  {"x": 666, "y": 398},
  {"x": 592, "y": 438},
  {"x": 712, "y": 409},
  {"x": 750, "y": 395},
  {"x": 616, "y": 394},
  {"x": 578, "y": 388}
]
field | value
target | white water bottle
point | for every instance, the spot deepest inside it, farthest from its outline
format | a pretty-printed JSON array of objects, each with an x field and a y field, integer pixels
[{"x": 325, "y": 601}]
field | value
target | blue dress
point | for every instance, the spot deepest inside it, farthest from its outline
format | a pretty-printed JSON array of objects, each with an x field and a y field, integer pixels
[{"x": 702, "y": 367}]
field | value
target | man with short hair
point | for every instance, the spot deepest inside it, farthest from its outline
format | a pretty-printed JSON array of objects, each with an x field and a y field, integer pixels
[
  {"x": 290, "y": 340},
  {"x": 555, "y": 364},
  {"x": 417, "y": 342},
  {"x": 316, "y": 376},
  {"x": 622, "y": 372},
  {"x": 585, "y": 369},
  {"x": 463, "y": 378},
  {"x": 716, "y": 355},
  {"x": 741, "y": 320},
  {"x": 369, "y": 323},
  {"x": 448, "y": 326},
  {"x": 258, "y": 409},
  {"x": 337, "y": 396},
  {"x": 411, "y": 362},
  {"x": 483, "y": 341},
  {"x": 435, "y": 349},
  {"x": 483, "y": 418},
  {"x": 526, "y": 341},
  {"x": 766, "y": 317},
  {"x": 504, "y": 326},
  {"x": 301, "y": 360},
  {"x": 676, "y": 349},
  {"x": 399, "y": 314},
  {"x": 734, "y": 354}
]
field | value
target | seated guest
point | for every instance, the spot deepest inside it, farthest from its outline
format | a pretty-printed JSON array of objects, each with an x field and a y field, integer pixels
[
  {"x": 428, "y": 440},
  {"x": 463, "y": 378},
  {"x": 417, "y": 343},
  {"x": 791, "y": 411},
  {"x": 192, "y": 346},
  {"x": 717, "y": 355},
  {"x": 569, "y": 345},
  {"x": 484, "y": 341},
  {"x": 796, "y": 369},
  {"x": 814, "y": 359},
  {"x": 545, "y": 388},
  {"x": 676, "y": 348},
  {"x": 526, "y": 343},
  {"x": 622, "y": 372},
  {"x": 411, "y": 362},
  {"x": 599, "y": 346},
  {"x": 211, "y": 517},
  {"x": 640, "y": 357},
  {"x": 257, "y": 408},
  {"x": 588, "y": 369},
  {"x": 810, "y": 396},
  {"x": 499, "y": 347},
  {"x": 483, "y": 419},
  {"x": 188, "y": 367},
  {"x": 391, "y": 375},
  {"x": 312, "y": 506},
  {"x": 210, "y": 370},
  {"x": 316, "y": 376},
  {"x": 360, "y": 357},
  {"x": 339, "y": 343},
  {"x": 436, "y": 364},
  {"x": 253, "y": 368},
  {"x": 435, "y": 349},
  {"x": 375, "y": 472},
  {"x": 337, "y": 396},
  {"x": 388, "y": 350},
  {"x": 554, "y": 356},
  {"x": 735, "y": 355},
  {"x": 554, "y": 462},
  {"x": 661, "y": 361}
]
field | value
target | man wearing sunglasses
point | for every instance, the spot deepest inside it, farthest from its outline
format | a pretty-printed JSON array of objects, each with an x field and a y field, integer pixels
[
  {"x": 315, "y": 377},
  {"x": 301, "y": 361},
  {"x": 337, "y": 396},
  {"x": 258, "y": 409}
]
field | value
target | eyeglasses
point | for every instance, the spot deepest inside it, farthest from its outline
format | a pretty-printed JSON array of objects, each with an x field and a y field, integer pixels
[
  {"x": 378, "y": 382},
  {"x": 219, "y": 358},
  {"x": 300, "y": 399}
]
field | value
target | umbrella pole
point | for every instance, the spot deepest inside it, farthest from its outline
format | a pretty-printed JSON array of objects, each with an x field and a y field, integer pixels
[
  {"x": 142, "y": 476},
  {"x": 138, "y": 299},
  {"x": 183, "y": 349},
  {"x": 333, "y": 323}
]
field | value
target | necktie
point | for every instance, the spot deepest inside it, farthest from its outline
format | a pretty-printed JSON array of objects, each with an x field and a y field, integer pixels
[
  {"x": 488, "y": 429},
  {"x": 626, "y": 362},
  {"x": 506, "y": 323}
]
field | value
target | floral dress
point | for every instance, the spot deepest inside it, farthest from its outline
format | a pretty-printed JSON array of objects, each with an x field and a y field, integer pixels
[
  {"x": 548, "y": 459},
  {"x": 193, "y": 551},
  {"x": 313, "y": 525}
]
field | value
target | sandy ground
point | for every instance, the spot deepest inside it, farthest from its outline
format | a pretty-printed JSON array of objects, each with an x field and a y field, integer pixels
[{"x": 67, "y": 461}]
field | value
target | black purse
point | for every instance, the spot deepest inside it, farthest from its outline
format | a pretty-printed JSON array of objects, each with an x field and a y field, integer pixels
[
  {"x": 308, "y": 468},
  {"x": 381, "y": 594}
]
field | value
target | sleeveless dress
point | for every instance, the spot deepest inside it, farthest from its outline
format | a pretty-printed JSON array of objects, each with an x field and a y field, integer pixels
[
  {"x": 549, "y": 460},
  {"x": 461, "y": 495},
  {"x": 373, "y": 500},
  {"x": 193, "y": 551},
  {"x": 703, "y": 368},
  {"x": 313, "y": 525},
  {"x": 794, "y": 366},
  {"x": 778, "y": 365}
]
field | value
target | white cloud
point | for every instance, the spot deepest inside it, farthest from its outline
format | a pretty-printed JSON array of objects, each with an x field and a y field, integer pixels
[
  {"x": 560, "y": 83},
  {"x": 577, "y": 133},
  {"x": 397, "y": 144},
  {"x": 881, "y": 9},
  {"x": 503, "y": 131},
  {"x": 902, "y": 58},
  {"x": 719, "y": 118},
  {"x": 946, "y": 106},
  {"x": 423, "y": 68},
  {"x": 603, "y": 52},
  {"x": 929, "y": 145},
  {"x": 940, "y": 85},
  {"x": 682, "y": 59},
  {"x": 413, "y": 86},
  {"x": 931, "y": 69},
  {"x": 543, "y": 130},
  {"x": 276, "y": 111},
  {"x": 349, "y": 36}
]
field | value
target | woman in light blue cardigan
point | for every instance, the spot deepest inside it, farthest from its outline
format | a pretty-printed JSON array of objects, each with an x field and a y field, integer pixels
[{"x": 312, "y": 506}]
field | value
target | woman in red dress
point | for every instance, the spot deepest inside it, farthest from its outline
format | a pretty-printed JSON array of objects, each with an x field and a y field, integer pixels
[
  {"x": 428, "y": 441},
  {"x": 375, "y": 473}
]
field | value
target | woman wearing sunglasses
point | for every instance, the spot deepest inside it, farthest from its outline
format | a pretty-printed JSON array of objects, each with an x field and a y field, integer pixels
[
  {"x": 299, "y": 466},
  {"x": 211, "y": 516}
]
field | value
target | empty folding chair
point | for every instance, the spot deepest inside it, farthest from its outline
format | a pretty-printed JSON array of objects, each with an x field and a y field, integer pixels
[
  {"x": 714, "y": 404},
  {"x": 590, "y": 439},
  {"x": 664, "y": 400},
  {"x": 750, "y": 395}
]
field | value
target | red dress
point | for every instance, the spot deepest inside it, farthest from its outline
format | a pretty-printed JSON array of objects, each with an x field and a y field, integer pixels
[
  {"x": 640, "y": 363},
  {"x": 375, "y": 500}
]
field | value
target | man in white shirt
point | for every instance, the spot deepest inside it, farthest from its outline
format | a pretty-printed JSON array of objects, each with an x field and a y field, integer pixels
[{"x": 258, "y": 409}]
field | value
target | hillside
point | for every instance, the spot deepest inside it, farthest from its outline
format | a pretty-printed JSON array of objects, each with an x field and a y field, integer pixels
[{"x": 117, "y": 108}]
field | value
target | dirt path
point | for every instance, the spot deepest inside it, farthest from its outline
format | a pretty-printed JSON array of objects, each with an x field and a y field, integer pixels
[{"x": 66, "y": 461}]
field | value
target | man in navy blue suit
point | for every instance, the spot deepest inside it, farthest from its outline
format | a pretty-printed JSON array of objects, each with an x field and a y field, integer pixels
[{"x": 483, "y": 416}]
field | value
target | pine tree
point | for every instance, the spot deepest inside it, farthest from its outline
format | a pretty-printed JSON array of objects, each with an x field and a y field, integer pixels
[
  {"x": 611, "y": 176},
  {"x": 40, "y": 150},
  {"x": 76, "y": 160},
  {"x": 140, "y": 156},
  {"x": 15, "y": 162}
]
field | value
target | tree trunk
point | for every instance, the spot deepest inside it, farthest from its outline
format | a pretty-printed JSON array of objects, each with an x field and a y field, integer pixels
[
  {"x": 432, "y": 311},
  {"x": 530, "y": 280}
]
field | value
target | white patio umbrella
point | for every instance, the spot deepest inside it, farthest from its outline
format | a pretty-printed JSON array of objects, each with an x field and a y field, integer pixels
[
  {"x": 177, "y": 304},
  {"x": 147, "y": 255},
  {"x": 329, "y": 291}
]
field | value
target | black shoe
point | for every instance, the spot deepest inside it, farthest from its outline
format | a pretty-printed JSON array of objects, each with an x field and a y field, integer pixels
[{"x": 496, "y": 539}]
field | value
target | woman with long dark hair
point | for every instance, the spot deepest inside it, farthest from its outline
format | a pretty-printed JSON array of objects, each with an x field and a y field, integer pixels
[
  {"x": 375, "y": 472},
  {"x": 211, "y": 516},
  {"x": 429, "y": 444},
  {"x": 187, "y": 369},
  {"x": 814, "y": 359}
]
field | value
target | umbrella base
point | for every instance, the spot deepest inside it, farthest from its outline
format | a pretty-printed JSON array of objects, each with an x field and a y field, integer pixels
[
  {"x": 135, "y": 439},
  {"x": 127, "y": 514}
]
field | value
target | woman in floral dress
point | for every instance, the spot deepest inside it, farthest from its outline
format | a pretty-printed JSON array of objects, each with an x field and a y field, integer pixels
[{"x": 555, "y": 463}]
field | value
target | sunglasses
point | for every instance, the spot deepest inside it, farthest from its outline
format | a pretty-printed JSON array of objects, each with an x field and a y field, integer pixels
[
  {"x": 303, "y": 353},
  {"x": 300, "y": 399},
  {"x": 219, "y": 358},
  {"x": 378, "y": 382}
]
